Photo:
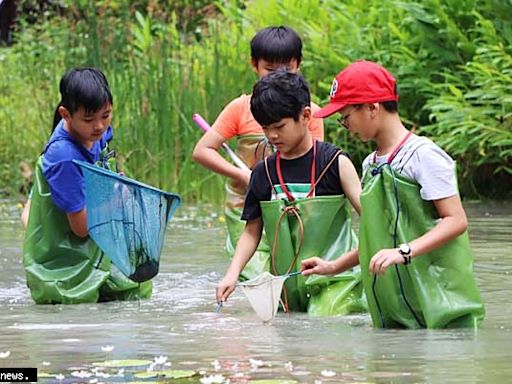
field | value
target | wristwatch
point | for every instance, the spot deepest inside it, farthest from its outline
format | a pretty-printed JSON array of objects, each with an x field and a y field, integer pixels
[{"x": 405, "y": 250}]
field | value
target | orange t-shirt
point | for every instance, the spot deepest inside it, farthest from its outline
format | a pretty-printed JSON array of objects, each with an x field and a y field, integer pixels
[{"x": 237, "y": 120}]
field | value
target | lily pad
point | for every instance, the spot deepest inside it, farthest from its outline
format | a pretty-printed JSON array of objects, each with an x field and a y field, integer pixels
[
  {"x": 145, "y": 375},
  {"x": 168, "y": 374},
  {"x": 273, "y": 381},
  {"x": 122, "y": 363},
  {"x": 45, "y": 375},
  {"x": 142, "y": 382}
]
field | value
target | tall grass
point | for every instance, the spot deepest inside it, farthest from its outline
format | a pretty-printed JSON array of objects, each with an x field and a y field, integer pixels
[{"x": 165, "y": 62}]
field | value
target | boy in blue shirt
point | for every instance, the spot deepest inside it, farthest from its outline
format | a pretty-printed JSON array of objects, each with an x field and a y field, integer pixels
[{"x": 62, "y": 264}]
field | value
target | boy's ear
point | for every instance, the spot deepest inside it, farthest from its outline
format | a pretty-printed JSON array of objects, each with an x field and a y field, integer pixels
[
  {"x": 306, "y": 113},
  {"x": 374, "y": 108},
  {"x": 254, "y": 65},
  {"x": 64, "y": 113}
]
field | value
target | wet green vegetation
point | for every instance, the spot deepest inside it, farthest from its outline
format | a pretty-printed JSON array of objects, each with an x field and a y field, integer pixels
[{"x": 168, "y": 60}]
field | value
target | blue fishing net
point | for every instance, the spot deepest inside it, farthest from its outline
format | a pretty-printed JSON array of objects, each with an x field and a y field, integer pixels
[{"x": 127, "y": 220}]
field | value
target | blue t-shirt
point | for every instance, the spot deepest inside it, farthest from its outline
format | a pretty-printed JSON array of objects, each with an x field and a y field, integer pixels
[{"x": 63, "y": 176}]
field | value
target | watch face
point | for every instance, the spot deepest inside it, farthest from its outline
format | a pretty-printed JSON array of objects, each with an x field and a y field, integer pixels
[{"x": 405, "y": 249}]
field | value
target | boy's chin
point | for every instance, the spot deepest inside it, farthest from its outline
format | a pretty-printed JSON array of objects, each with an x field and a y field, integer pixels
[{"x": 360, "y": 137}]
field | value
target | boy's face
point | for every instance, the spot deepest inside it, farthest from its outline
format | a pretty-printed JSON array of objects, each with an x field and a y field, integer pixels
[
  {"x": 359, "y": 119},
  {"x": 263, "y": 67},
  {"x": 290, "y": 137},
  {"x": 87, "y": 128}
]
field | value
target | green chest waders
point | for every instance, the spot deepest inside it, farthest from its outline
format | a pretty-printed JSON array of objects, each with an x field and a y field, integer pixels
[
  {"x": 250, "y": 149},
  {"x": 314, "y": 226},
  {"x": 62, "y": 267},
  {"x": 438, "y": 289}
]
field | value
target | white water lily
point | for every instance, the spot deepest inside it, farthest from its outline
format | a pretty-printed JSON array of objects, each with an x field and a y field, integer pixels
[
  {"x": 5, "y": 354},
  {"x": 120, "y": 372},
  {"x": 93, "y": 381},
  {"x": 257, "y": 363},
  {"x": 46, "y": 363},
  {"x": 289, "y": 366},
  {"x": 103, "y": 375},
  {"x": 107, "y": 348},
  {"x": 160, "y": 359},
  {"x": 328, "y": 373},
  {"x": 81, "y": 374},
  {"x": 216, "y": 365},
  {"x": 212, "y": 379},
  {"x": 60, "y": 377}
]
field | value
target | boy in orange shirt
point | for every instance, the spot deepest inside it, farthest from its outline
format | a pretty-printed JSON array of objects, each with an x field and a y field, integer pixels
[{"x": 271, "y": 48}]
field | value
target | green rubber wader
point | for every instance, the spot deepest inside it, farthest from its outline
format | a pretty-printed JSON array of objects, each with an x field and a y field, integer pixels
[
  {"x": 251, "y": 149},
  {"x": 438, "y": 289},
  {"x": 64, "y": 268},
  {"x": 327, "y": 233}
]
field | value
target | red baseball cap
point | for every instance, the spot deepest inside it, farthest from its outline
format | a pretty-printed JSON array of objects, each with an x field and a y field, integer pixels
[{"x": 360, "y": 83}]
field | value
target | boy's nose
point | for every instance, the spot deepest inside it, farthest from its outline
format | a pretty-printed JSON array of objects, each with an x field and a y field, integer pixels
[
  {"x": 272, "y": 134},
  {"x": 99, "y": 125}
]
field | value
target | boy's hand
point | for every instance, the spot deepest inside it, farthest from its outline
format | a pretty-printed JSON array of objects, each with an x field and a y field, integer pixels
[
  {"x": 244, "y": 178},
  {"x": 225, "y": 287},
  {"x": 383, "y": 259},
  {"x": 316, "y": 265}
]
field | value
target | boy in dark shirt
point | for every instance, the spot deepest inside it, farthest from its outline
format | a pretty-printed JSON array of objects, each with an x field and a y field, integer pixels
[{"x": 299, "y": 195}]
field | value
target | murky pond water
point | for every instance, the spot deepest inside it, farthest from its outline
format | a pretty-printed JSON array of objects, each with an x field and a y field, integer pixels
[{"x": 180, "y": 322}]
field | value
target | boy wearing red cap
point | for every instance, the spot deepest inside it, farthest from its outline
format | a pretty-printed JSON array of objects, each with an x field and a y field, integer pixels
[
  {"x": 271, "y": 48},
  {"x": 413, "y": 246}
]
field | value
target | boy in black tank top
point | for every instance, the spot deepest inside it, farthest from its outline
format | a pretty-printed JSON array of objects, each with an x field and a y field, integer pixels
[{"x": 300, "y": 168}]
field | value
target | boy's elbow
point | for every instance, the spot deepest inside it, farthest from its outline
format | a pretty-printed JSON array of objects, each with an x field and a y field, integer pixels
[
  {"x": 200, "y": 154},
  {"x": 78, "y": 223},
  {"x": 463, "y": 224},
  {"x": 460, "y": 225},
  {"x": 80, "y": 232},
  {"x": 196, "y": 154}
]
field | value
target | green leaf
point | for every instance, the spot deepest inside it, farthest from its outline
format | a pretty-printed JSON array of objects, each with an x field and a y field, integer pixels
[
  {"x": 45, "y": 375},
  {"x": 168, "y": 374},
  {"x": 122, "y": 363}
]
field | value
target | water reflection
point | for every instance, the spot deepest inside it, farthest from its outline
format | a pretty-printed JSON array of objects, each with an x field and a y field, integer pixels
[{"x": 180, "y": 322}]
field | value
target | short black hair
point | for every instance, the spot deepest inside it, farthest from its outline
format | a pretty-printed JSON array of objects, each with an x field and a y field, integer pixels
[
  {"x": 83, "y": 88},
  {"x": 276, "y": 45},
  {"x": 391, "y": 106},
  {"x": 279, "y": 95}
]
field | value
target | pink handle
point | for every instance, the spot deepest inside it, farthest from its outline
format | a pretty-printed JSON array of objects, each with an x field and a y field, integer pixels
[{"x": 201, "y": 122}]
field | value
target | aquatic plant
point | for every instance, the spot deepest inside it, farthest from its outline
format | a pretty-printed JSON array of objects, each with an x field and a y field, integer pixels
[{"x": 168, "y": 60}]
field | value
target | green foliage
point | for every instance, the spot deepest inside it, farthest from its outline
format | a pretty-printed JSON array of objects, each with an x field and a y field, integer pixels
[{"x": 167, "y": 60}]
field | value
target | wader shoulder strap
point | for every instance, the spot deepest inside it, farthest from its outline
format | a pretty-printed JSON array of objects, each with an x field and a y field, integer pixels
[
  {"x": 395, "y": 150},
  {"x": 326, "y": 168},
  {"x": 267, "y": 171}
]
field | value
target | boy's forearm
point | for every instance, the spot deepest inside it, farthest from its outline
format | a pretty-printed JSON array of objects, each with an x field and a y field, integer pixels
[
  {"x": 346, "y": 261},
  {"x": 246, "y": 246},
  {"x": 211, "y": 159},
  {"x": 206, "y": 153}
]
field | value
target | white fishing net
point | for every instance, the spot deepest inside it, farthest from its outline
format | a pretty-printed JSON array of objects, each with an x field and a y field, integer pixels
[{"x": 263, "y": 293}]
